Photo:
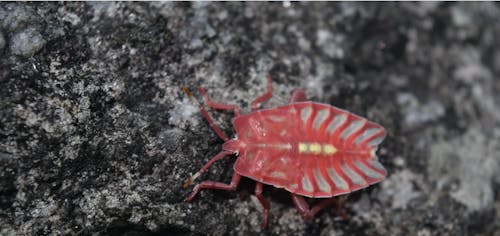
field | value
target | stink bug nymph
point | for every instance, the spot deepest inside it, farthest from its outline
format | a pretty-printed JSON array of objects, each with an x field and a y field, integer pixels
[{"x": 310, "y": 149}]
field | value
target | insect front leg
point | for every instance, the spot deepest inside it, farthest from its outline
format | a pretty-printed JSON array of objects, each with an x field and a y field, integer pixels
[
  {"x": 217, "y": 105},
  {"x": 205, "y": 167}
]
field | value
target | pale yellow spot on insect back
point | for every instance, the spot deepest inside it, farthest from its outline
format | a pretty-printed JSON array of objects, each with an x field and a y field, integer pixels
[
  {"x": 317, "y": 148},
  {"x": 302, "y": 147},
  {"x": 329, "y": 149}
]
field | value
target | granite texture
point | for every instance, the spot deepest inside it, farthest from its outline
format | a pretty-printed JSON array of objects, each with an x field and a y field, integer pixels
[{"x": 96, "y": 136}]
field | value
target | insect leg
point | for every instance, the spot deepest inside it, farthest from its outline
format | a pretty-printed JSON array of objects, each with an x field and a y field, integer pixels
[
  {"x": 215, "y": 185},
  {"x": 263, "y": 201},
  {"x": 340, "y": 209},
  {"x": 205, "y": 167},
  {"x": 266, "y": 96},
  {"x": 205, "y": 114},
  {"x": 217, "y": 105},
  {"x": 298, "y": 95},
  {"x": 321, "y": 205},
  {"x": 303, "y": 207}
]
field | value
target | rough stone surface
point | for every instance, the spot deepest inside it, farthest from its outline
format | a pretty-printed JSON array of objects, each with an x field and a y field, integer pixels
[
  {"x": 96, "y": 136},
  {"x": 2, "y": 41},
  {"x": 26, "y": 43}
]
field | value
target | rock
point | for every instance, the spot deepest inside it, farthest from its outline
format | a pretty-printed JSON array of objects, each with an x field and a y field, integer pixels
[
  {"x": 15, "y": 16},
  {"x": 2, "y": 41},
  {"x": 472, "y": 159},
  {"x": 97, "y": 136},
  {"x": 417, "y": 113},
  {"x": 27, "y": 42}
]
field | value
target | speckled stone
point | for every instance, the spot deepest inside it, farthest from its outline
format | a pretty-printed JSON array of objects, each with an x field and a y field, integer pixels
[{"x": 97, "y": 137}]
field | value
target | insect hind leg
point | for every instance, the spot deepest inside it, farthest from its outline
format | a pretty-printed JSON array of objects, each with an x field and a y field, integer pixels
[
  {"x": 308, "y": 213},
  {"x": 264, "y": 202},
  {"x": 215, "y": 185}
]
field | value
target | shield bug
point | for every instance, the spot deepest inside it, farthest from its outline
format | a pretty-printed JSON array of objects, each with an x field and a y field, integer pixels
[{"x": 310, "y": 149}]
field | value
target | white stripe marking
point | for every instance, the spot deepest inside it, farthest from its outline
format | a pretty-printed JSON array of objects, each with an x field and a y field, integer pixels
[
  {"x": 337, "y": 180},
  {"x": 337, "y": 121},
  {"x": 352, "y": 128},
  {"x": 367, "y": 171},
  {"x": 368, "y": 132},
  {"x": 306, "y": 184},
  {"x": 375, "y": 142},
  {"x": 357, "y": 179},
  {"x": 276, "y": 118},
  {"x": 323, "y": 185},
  {"x": 305, "y": 113},
  {"x": 320, "y": 118},
  {"x": 278, "y": 174},
  {"x": 376, "y": 164}
]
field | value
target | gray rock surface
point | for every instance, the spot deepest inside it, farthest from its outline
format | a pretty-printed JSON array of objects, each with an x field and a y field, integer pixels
[
  {"x": 2, "y": 41},
  {"x": 26, "y": 43},
  {"x": 96, "y": 136}
]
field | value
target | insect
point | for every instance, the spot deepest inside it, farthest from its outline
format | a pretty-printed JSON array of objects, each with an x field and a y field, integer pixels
[{"x": 310, "y": 149}]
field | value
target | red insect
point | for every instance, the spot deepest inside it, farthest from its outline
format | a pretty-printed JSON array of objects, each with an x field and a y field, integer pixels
[{"x": 310, "y": 149}]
